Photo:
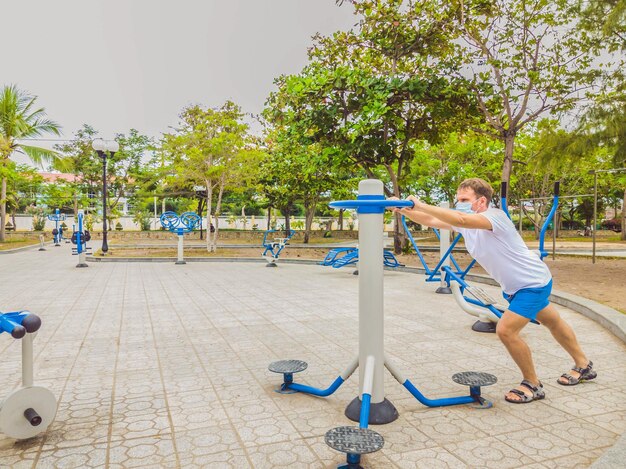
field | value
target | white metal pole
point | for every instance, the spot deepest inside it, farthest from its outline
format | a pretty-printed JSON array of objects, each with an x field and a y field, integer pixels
[
  {"x": 371, "y": 320},
  {"x": 27, "y": 360},
  {"x": 155, "y": 215},
  {"x": 180, "y": 250}
]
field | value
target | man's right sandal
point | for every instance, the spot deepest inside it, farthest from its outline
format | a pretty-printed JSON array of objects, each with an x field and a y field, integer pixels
[
  {"x": 537, "y": 393},
  {"x": 586, "y": 374}
]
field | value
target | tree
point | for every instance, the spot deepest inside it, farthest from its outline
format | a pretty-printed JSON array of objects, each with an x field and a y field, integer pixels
[
  {"x": 210, "y": 150},
  {"x": 23, "y": 185},
  {"x": 533, "y": 60},
  {"x": 20, "y": 120},
  {"x": 368, "y": 95}
]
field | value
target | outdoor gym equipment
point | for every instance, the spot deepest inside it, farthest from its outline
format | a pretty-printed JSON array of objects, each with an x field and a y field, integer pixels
[
  {"x": 371, "y": 406},
  {"x": 30, "y": 409},
  {"x": 274, "y": 248},
  {"x": 351, "y": 256},
  {"x": 56, "y": 232},
  {"x": 445, "y": 249},
  {"x": 80, "y": 238},
  {"x": 180, "y": 225}
]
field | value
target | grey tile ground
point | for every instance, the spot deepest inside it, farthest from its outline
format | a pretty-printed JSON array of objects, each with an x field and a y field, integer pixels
[{"x": 157, "y": 365}]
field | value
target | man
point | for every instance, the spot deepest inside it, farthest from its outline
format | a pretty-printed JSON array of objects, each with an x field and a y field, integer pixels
[{"x": 491, "y": 238}]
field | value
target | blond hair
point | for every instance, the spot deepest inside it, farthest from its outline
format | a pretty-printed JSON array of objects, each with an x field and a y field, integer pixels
[{"x": 480, "y": 187}]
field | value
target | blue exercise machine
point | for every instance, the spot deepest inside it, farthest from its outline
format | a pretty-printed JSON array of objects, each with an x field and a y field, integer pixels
[
  {"x": 435, "y": 274},
  {"x": 371, "y": 406},
  {"x": 351, "y": 256},
  {"x": 28, "y": 410},
  {"x": 180, "y": 225},
  {"x": 274, "y": 248},
  {"x": 80, "y": 238},
  {"x": 57, "y": 232}
]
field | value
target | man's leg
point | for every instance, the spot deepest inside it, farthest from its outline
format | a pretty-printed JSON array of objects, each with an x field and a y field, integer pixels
[
  {"x": 565, "y": 336},
  {"x": 508, "y": 329}
]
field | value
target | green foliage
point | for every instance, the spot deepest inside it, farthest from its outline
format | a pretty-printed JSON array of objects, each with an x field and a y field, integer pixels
[
  {"x": 118, "y": 226},
  {"x": 39, "y": 218},
  {"x": 143, "y": 219}
]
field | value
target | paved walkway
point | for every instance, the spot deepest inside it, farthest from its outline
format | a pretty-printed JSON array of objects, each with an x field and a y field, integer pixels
[{"x": 158, "y": 365}]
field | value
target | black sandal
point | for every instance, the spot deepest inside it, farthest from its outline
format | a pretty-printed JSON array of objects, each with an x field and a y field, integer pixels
[
  {"x": 537, "y": 393},
  {"x": 586, "y": 374}
]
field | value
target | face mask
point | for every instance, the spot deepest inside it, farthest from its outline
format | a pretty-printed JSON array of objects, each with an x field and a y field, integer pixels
[{"x": 465, "y": 207}]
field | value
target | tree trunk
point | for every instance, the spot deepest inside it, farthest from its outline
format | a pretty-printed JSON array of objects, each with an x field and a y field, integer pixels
[
  {"x": 507, "y": 166},
  {"x": 340, "y": 219},
  {"x": 287, "y": 213},
  {"x": 3, "y": 209},
  {"x": 209, "y": 196},
  {"x": 309, "y": 213},
  {"x": 624, "y": 217},
  {"x": 269, "y": 217}
]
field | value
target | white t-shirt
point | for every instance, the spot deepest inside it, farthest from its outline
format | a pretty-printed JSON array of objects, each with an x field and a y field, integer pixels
[{"x": 504, "y": 255}]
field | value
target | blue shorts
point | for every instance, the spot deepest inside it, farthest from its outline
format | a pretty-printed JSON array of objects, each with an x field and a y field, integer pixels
[{"x": 527, "y": 302}]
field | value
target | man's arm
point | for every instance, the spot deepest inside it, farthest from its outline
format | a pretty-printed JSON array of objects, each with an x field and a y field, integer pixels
[
  {"x": 454, "y": 217},
  {"x": 425, "y": 219}
]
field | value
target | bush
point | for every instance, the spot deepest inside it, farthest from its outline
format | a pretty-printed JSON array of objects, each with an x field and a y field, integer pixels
[
  {"x": 328, "y": 234},
  {"x": 39, "y": 220},
  {"x": 118, "y": 226},
  {"x": 143, "y": 219}
]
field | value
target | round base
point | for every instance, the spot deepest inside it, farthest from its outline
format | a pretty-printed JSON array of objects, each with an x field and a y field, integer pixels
[
  {"x": 482, "y": 404},
  {"x": 488, "y": 327},
  {"x": 42, "y": 249},
  {"x": 271, "y": 264},
  {"x": 356, "y": 272},
  {"x": 180, "y": 263},
  {"x": 444, "y": 291},
  {"x": 57, "y": 245},
  {"x": 354, "y": 440},
  {"x": 280, "y": 390},
  {"x": 82, "y": 265},
  {"x": 380, "y": 413},
  {"x": 12, "y": 420}
]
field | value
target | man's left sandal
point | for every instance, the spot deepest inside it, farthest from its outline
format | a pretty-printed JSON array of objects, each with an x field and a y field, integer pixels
[{"x": 586, "y": 374}]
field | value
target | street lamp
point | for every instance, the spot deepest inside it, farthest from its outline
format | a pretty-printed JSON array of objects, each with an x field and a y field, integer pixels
[{"x": 102, "y": 147}]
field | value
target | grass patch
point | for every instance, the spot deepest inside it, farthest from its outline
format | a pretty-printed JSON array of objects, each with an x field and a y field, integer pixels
[{"x": 17, "y": 242}]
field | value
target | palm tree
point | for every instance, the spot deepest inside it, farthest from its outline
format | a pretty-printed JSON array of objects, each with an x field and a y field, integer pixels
[{"x": 19, "y": 120}]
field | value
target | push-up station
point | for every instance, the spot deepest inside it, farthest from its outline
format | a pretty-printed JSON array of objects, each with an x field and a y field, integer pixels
[
  {"x": 57, "y": 232},
  {"x": 371, "y": 406},
  {"x": 30, "y": 409},
  {"x": 186, "y": 223},
  {"x": 274, "y": 248}
]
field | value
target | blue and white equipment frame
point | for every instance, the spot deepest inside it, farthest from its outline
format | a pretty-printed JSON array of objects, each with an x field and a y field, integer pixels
[
  {"x": 56, "y": 233},
  {"x": 30, "y": 409},
  {"x": 80, "y": 238},
  {"x": 371, "y": 406},
  {"x": 185, "y": 223},
  {"x": 274, "y": 248}
]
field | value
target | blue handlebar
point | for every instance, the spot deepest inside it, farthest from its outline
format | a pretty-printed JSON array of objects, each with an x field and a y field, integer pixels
[{"x": 370, "y": 206}]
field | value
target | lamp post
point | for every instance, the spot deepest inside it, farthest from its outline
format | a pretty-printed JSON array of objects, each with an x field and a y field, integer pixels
[{"x": 102, "y": 147}]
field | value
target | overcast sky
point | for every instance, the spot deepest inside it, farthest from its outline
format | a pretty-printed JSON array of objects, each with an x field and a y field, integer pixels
[{"x": 121, "y": 64}]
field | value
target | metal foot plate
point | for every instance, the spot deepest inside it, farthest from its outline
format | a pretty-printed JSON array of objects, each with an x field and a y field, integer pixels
[
  {"x": 354, "y": 440},
  {"x": 474, "y": 378},
  {"x": 288, "y": 366}
]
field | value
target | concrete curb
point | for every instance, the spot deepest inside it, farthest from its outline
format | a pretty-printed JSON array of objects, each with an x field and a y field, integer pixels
[{"x": 26, "y": 248}]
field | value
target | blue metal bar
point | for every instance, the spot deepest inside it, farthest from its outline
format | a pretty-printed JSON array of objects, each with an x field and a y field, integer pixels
[
  {"x": 550, "y": 216},
  {"x": 365, "y": 410},
  {"x": 316, "y": 391},
  {"x": 446, "y": 401},
  {"x": 417, "y": 250},
  {"x": 447, "y": 253}
]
